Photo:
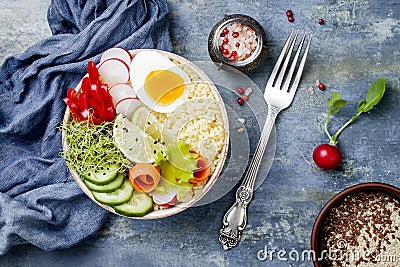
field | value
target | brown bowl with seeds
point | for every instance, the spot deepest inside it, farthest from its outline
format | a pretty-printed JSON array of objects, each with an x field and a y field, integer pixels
[{"x": 360, "y": 226}]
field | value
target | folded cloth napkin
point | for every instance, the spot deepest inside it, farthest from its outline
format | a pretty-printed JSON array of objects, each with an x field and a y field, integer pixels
[{"x": 38, "y": 203}]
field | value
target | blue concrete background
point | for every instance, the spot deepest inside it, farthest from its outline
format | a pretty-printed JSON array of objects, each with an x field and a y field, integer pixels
[{"x": 358, "y": 44}]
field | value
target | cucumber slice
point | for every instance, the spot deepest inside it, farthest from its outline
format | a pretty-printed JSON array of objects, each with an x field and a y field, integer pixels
[
  {"x": 140, "y": 204},
  {"x": 117, "y": 197},
  {"x": 107, "y": 188},
  {"x": 105, "y": 175}
]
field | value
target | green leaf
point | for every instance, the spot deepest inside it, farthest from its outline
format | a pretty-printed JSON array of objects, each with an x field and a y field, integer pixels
[
  {"x": 340, "y": 103},
  {"x": 335, "y": 97},
  {"x": 335, "y": 103},
  {"x": 173, "y": 174},
  {"x": 180, "y": 156},
  {"x": 374, "y": 96},
  {"x": 178, "y": 164}
]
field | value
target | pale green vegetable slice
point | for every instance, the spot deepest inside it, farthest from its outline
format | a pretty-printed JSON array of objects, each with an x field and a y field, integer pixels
[
  {"x": 104, "y": 174},
  {"x": 140, "y": 204},
  {"x": 145, "y": 120},
  {"x": 110, "y": 187},
  {"x": 116, "y": 197},
  {"x": 135, "y": 144}
]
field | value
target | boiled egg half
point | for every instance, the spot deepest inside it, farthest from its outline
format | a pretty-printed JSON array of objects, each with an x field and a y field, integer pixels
[{"x": 158, "y": 82}]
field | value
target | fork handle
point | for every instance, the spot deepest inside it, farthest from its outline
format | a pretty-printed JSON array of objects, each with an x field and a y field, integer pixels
[{"x": 235, "y": 218}]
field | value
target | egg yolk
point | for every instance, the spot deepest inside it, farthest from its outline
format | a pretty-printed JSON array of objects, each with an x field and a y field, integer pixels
[{"x": 164, "y": 86}]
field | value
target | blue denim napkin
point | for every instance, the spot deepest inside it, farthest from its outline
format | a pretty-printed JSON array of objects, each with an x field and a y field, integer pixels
[{"x": 38, "y": 203}]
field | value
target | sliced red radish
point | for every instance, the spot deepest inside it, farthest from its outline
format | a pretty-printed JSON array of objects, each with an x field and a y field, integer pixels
[
  {"x": 121, "y": 91},
  {"x": 117, "y": 52},
  {"x": 113, "y": 71},
  {"x": 127, "y": 106},
  {"x": 166, "y": 199}
]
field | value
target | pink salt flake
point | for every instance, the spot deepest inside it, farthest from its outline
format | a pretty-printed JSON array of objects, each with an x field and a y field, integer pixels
[{"x": 242, "y": 40}]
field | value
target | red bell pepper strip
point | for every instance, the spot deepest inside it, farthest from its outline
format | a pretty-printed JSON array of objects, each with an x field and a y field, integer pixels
[
  {"x": 83, "y": 106},
  {"x": 108, "y": 102},
  {"x": 71, "y": 93},
  {"x": 86, "y": 84},
  {"x": 94, "y": 102},
  {"x": 74, "y": 108},
  {"x": 94, "y": 74},
  {"x": 100, "y": 103},
  {"x": 94, "y": 117}
]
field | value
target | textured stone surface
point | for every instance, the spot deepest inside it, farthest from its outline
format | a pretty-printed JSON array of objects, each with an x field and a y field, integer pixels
[{"x": 358, "y": 44}]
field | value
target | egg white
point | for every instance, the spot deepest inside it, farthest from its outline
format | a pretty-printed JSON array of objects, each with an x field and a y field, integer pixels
[{"x": 145, "y": 62}]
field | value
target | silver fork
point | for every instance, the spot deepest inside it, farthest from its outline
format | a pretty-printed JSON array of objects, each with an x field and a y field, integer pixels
[{"x": 278, "y": 97}]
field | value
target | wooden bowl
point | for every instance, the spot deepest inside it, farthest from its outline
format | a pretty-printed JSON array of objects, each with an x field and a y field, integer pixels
[{"x": 181, "y": 206}]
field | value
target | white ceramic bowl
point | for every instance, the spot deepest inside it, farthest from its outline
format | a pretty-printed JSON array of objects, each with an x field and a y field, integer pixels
[{"x": 181, "y": 206}]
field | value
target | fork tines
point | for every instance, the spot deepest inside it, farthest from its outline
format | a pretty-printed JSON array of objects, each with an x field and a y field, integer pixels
[{"x": 282, "y": 67}]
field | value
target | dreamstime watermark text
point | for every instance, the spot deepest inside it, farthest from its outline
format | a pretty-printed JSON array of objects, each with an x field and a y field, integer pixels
[{"x": 341, "y": 254}]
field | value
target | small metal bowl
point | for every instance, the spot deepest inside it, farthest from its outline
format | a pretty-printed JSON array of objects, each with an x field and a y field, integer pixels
[
  {"x": 254, "y": 59},
  {"x": 336, "y": 201}
]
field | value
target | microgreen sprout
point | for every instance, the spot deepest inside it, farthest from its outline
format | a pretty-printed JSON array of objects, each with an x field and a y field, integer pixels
[{"x": 89, "y": 147}]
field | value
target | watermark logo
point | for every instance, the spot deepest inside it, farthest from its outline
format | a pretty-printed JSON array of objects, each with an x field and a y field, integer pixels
[
  {"x": 341, "y": 244},
  {"x": 341, "y": 254}
]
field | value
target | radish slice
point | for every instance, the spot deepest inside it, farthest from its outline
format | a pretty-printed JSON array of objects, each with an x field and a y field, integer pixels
[
  {"x": 127, "y": 106},
  {"x": 121, "y": 91},
  {"x": 117, "y": 52},
  {"x": 169, "y": 198},
  {"x": 113, "y": 71}
]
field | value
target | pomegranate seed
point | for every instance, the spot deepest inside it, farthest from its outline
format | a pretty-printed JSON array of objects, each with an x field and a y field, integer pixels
[
  {"x": 290, "y": 19},
  {"x": 225, "y": 51},
  {"x": 321, "y": 21},
  {"x": 234, "y": 53},
  {"x": 225, "y": 31},
  {"x": 240, "y": 101},
  {"x": 245, "y": 97},
  {"x": 231, "y": 58},
  {"x": 321, "y": 86},
  {"x": 237, "y": 44},
  {"x": 235, "y": 34},
  {"x": 289, "y": 13},
  {"x": 222, "y": 34},
  {"x": 240, "y": 90},
  {"x": 225, "y": 41}
]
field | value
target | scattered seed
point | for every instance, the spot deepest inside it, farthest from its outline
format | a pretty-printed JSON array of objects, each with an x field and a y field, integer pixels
[
  {"x": 248, "y": 91},
  {"x": 321, "y": 21},
  {"x": 289, "y": 13},
  {"x": 241, "y": 120},
  {"x": 240, "y": 130}
]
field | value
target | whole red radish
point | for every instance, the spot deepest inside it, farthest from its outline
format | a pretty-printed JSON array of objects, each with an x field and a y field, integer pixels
[{"x": 327, "y": 156}]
